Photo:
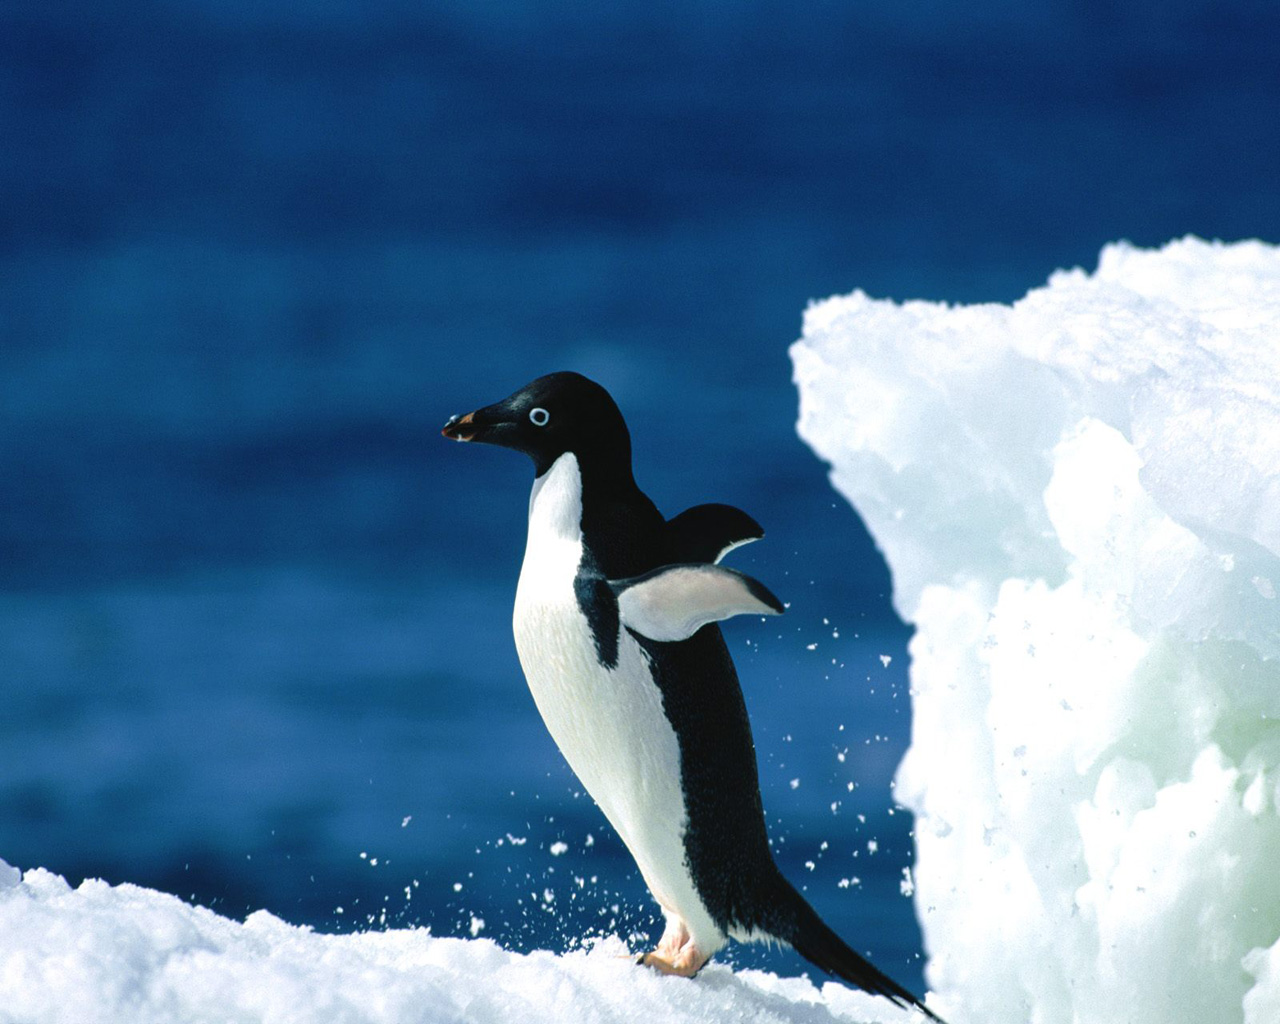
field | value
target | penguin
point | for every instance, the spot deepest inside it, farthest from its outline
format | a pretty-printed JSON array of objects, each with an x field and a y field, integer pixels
[{"x": 615, "y": 626}]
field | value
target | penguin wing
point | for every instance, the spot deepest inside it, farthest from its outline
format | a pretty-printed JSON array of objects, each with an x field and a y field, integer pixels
[
  {"x": 706, "y": 533},
  {"x": 673, "y": 602}
]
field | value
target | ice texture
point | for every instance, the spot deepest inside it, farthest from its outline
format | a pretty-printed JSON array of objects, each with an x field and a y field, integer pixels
[
  {"x": 1078, "y": 496},
  {"x": 101, "y": 954}
]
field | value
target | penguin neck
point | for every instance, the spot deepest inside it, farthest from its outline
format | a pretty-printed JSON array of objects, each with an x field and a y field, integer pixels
[
  {"x": 555, "y": 503},
  {"x": 599, "y": 508}
]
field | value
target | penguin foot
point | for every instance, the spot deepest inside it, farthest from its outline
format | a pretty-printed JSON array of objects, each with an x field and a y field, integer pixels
[{"x": 687, "y": 962}]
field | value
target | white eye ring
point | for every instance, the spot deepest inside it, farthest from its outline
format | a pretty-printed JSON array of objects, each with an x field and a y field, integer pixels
[{"x": 539, "y": 417}]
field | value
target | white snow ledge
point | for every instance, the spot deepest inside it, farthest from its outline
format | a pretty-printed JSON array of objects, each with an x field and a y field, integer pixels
[
  {"x": 103, "y": 954},
  {"x": 1079, "y": 499}
]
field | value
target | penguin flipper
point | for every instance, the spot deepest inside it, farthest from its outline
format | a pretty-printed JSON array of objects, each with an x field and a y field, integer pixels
[
  {"x": 673, "y": 602},
  {"x": 706, "y": 533}
]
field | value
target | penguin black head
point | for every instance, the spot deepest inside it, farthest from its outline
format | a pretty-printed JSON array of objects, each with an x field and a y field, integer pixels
[{"x": 561, "y": 412}]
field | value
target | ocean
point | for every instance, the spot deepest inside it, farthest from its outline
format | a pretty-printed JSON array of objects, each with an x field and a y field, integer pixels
[{"x": 255, "y": 639}]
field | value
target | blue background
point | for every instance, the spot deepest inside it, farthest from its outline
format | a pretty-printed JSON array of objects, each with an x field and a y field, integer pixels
[{"x": 254, "y": 612}]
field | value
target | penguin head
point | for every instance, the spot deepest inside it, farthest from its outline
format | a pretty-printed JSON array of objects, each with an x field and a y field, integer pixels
[{"x": 559, "y": 413}]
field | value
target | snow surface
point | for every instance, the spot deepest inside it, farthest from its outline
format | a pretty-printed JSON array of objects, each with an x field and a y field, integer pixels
[
  {"x": 1079, "y": 498},
  {"x": 101, "y": 954}
]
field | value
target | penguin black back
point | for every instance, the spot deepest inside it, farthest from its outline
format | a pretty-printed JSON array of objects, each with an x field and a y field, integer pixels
[{"x": 726, "y": 841}]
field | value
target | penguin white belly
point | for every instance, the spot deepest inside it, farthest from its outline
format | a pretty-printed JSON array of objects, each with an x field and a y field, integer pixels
[{"x": 608, "y": 722}]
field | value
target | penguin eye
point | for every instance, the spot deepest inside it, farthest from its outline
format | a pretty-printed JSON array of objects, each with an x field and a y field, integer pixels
[{"x": 539, "y": 417}]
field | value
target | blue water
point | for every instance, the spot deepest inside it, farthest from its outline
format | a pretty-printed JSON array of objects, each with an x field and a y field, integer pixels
[{"x": 254, "y": 612}]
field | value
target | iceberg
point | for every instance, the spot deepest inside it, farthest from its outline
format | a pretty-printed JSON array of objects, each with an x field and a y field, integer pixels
[{"x": 1078, "y": 496}]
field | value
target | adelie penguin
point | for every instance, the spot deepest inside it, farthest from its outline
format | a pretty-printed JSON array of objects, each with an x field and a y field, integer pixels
[{"x": 615, "y": 624}]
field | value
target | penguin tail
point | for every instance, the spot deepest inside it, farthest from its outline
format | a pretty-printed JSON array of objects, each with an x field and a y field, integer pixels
[{"x": 799, "y": 925}]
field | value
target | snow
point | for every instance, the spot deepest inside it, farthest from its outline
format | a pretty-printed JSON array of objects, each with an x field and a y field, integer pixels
[
  {"x": 1078, "y": 496},
  {"x": 101, "y": 954}
]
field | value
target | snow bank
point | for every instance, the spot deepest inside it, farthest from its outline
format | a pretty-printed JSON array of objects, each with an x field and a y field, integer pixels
[
  {"x": 108, "y": 954},
  {"x": 1079, "y": 498}
]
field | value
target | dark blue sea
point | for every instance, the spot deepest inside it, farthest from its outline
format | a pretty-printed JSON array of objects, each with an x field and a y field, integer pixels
[{"x": 255, "y": 641}]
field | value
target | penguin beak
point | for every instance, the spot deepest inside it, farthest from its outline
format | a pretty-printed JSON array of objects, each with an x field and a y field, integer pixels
[
  {"x": 461, "y": 428},
  {"x": 491, "y": 425}
]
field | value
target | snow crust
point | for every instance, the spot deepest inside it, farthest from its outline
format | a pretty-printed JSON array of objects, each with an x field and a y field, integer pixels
[
  {"x": 1078, "y": 496},
  {"x": 101, "y": 954}
]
